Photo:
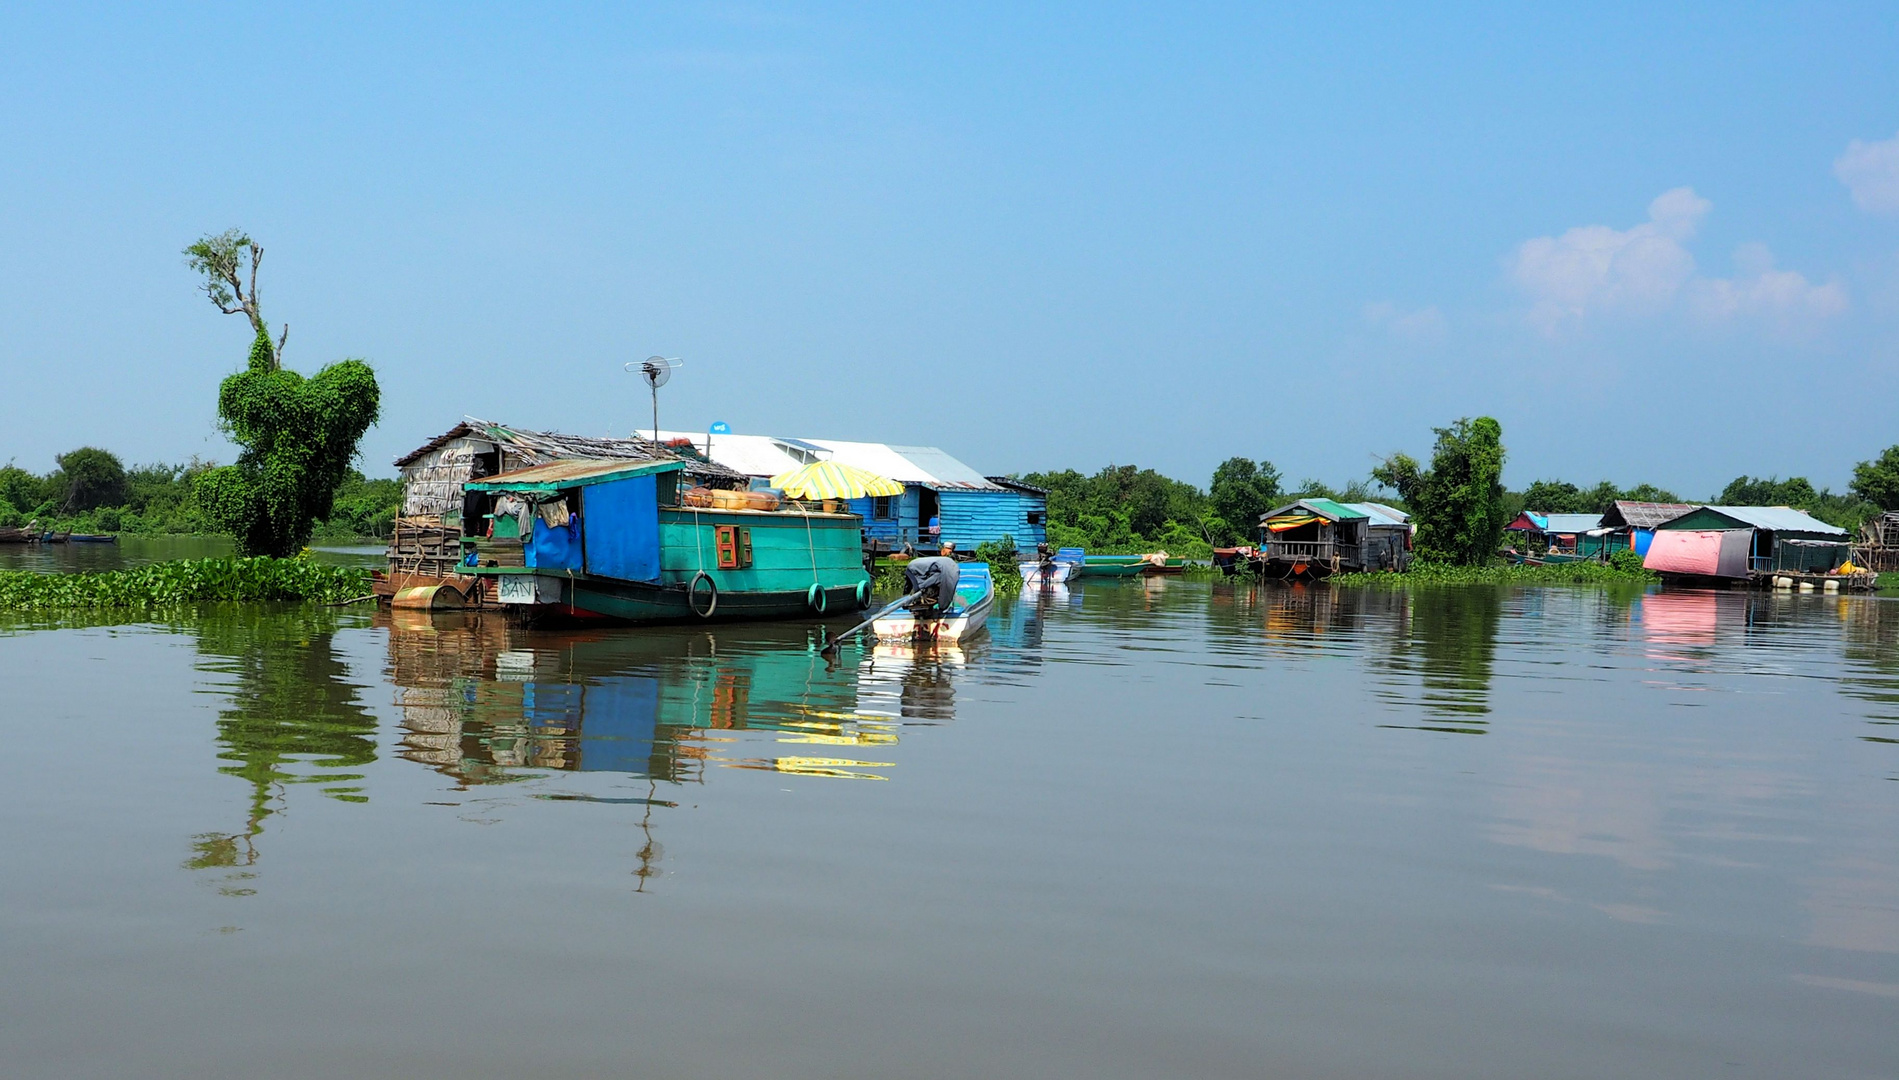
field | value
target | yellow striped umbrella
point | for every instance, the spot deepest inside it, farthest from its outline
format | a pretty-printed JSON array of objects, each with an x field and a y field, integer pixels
[{"x": 830, "y": 480}]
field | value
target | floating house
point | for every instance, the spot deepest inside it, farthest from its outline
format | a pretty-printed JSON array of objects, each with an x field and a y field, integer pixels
[
  {"x": 1319, "y": 537},
  {"x": 622, "y": 540},
  {"x": 1575, "y": 534},
  {"x": 969, "y": 508},
  {"x": 1635, "y": 522},
  {"x": 438, "y": 513},
  {"x": 1737, "y": 542}
]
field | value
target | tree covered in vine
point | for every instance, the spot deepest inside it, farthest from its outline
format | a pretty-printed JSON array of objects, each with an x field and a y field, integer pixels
[
  {"x": 298, "y": 436},
  {"x": 1458, "y": 503}
]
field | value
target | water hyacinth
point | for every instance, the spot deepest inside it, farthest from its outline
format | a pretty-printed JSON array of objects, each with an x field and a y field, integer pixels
[
  {"x": 1576, "y": 573},
  {"x": 186, "y": 582}
]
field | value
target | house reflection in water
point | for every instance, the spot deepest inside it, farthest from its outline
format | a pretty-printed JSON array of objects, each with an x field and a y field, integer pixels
[{"x": 485, "y": 702}]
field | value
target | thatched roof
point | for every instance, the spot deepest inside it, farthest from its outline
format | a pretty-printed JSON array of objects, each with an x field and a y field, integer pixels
[{"x": 541, "y": 447}]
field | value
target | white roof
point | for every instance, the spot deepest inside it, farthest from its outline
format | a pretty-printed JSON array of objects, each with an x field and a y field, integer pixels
[
  {"x": 1379, "y": 513},
  {"x": 765, "y": 455}
]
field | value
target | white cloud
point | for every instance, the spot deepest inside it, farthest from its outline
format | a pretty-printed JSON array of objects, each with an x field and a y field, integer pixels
[
  {"x": 1596, "y": 270},
  {"x": 1871, "y": 172},
  {"x": 1782, "y": 296},
  {"x": 1418, "y": 325}
]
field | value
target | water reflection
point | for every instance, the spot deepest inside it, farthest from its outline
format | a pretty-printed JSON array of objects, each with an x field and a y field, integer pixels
[
  {"x": 485, "y": 702},
  {"x": 293, "y": 717},
  {"x": 1447, "y": 643}
]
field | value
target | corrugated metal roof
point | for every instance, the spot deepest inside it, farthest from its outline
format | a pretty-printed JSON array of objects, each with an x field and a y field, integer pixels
[
  {"x": 1645, "y": 515},
  {"x": 1013, "y": 484},
  {"x": 1380, "y": 514},
  {"x": 1571, "y": 523},
  {"x": 1778, "y": 519},
  {"x": 572, "y": 472},
  {"x": 1325, "y": 508},
  {"x": 753, "y": 455},
  {"x": 764, "y": 455},
  {"x": 1387, "y": 510}
]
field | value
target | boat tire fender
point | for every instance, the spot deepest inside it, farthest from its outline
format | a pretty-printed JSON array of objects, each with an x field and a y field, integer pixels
[
  {"x": 816, "y": 598},
  {"x": 712, "y": 592},
  {"x": 863, "y": 594}
]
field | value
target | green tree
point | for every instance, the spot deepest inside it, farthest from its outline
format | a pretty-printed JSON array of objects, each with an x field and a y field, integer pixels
[
  {"x": 1877, "y": 481},
  {"x": 1458, "y": 503},
  {"x": 1795, "y": 491},
  {"x": 1242, "y": 490},
  {"x": 298, "y": 435},
  {"x": 88, "y": 478},
  {"x": 22, "y": 490},
  {"x": 1553, "y": 497}
]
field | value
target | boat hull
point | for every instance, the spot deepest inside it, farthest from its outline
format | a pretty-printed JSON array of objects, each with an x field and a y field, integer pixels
[
  {"x": 1040, "y": 573},
  {"x": 637, "y": 603},
  {"x": 904, "y": 626}
]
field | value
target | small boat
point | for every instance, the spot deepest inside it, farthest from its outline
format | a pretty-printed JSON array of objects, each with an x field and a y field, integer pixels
[
  {"x": 55, "y": 537},
  {"x": 1047, "y": 573},
  {"x": 975, "y": 594},
  {"x": 1055, "y": 571},
  {"x": 93, "y": 538},
  {"x": 17, "y": 536},
  {"x": 1131, "y": 565}
]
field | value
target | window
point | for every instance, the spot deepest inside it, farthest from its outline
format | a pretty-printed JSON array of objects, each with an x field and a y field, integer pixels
[
  {"x": 883, "y": 507},
  {"x": 1038, "y": 517}
]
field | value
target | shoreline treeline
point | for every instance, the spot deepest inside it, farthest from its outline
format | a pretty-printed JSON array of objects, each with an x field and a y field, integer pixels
[
  {"x": 1120, "y": 509},
  {"x": 91, "y": 491}
]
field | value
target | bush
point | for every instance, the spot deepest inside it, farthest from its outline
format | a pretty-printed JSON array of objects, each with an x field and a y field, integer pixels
[{"x": 1002, "y": 559}]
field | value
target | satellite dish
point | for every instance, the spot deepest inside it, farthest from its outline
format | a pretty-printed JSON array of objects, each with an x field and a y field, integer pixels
[{"x": 656, "y": 370}]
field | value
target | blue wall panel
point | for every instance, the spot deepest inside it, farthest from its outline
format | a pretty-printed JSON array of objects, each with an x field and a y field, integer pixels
[
  {"x": 621, "y": 521},
  {"x": 979, "y": 517}
]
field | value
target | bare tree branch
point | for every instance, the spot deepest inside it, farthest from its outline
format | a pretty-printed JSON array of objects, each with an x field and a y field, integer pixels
[{"x": 281, "y": 338}]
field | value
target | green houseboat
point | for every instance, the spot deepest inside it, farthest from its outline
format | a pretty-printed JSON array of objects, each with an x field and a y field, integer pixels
[{"x": 614, "y": 540}]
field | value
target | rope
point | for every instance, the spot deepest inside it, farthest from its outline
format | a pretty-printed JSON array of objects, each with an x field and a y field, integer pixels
[{"x": 811, "y": 546}]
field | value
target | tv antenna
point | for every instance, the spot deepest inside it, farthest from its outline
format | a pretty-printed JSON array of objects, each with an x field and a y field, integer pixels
[{"x": 656, "y": 370}]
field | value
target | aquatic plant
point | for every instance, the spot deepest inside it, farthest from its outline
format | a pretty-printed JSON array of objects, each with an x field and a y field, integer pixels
[
  {"x": 1002, "y": 559},
  {"x": 185, "y": 582},
  {"x": 1495, "y": 573}
]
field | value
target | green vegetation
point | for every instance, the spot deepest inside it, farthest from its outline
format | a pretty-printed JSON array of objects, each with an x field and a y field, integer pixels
[
  {"x": 1877, "y": 481},
  {"x": 1242, "y": 490},
  {"x": 1458, "y": 503},
  {"x": 1499, "y": 573},
  {"x": 1561, "y": 497},
  {"x": 189, "y": 582},
  {"x": 158, "y": 500},
  {"x": 1846, "y": 511},
  {"x": 1124, "y": 510},
  {"x": 298, "y": 435},
  {"x": 1002, "y": 559},
  {"x": 1128, "y": 510}
]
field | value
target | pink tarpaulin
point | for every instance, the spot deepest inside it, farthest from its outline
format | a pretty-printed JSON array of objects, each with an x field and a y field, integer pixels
[{"x": 1711, "y": 553}]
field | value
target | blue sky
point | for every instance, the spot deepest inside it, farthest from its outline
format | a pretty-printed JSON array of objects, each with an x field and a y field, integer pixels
[{"x": 1659, "y": 246}]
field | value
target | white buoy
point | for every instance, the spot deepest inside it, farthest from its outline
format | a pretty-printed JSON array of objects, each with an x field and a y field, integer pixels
[
  {"x": 1831, "y": 586},
  {"x": 1806, "y": 586},
  {"x": 1783, "y": 582}
]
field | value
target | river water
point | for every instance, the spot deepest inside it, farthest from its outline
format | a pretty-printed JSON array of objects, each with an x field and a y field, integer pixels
[{"x": 1146, "y": 829}]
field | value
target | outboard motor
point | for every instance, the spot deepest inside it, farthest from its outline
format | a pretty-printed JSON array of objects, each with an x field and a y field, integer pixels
[{"x": 934, "y": 576}]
